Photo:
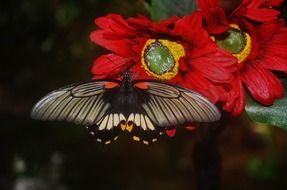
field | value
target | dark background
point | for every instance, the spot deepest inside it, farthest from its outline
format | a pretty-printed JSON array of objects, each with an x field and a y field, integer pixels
[{"x": 45, "y": 45}]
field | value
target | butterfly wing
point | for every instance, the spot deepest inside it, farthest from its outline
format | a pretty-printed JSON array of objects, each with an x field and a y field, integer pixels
[
  {"x": 91, "y": 104},
  {"x": 151, "y": 107},
  {"x": 160, "y": 106},
  {"x": 142, "y": 128},
  {"x": 169, "y": 106}
]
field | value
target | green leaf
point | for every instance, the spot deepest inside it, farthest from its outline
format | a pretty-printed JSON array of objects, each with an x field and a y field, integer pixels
[
  {"x": 262, "y": 169},
  {"x": 163, "y": 9},
  {"x": 273, "y": 115}
]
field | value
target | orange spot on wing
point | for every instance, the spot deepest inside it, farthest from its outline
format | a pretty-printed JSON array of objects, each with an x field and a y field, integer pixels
[
  {"x": 141, "y": 85},
  {"x": 190, "y": 128},
  {"x": 109, "y": 85}
]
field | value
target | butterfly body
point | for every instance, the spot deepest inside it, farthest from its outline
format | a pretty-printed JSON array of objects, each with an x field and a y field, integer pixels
[{"x": 144, "y": 108}]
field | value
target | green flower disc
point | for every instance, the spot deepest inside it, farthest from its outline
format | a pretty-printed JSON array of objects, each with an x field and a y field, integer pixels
[
  {"x": 232, "y": 41},
  {"x": 158, "y": 58}
]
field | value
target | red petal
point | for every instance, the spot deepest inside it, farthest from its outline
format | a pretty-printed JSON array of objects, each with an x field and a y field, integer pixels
[
  {"x": 120, "y": 47},
  {"x": 261, "y": 83},
  {"x": 262, "y": 15},
  {"x": 144, "y": 24},
  {"x": 269, "y": 3},
  {"x": 274, "y": 63},
  {"x": 254, "y": 3},
  {"x": 190, "y": 29},
  {"x": 276, "y": 44},
  {"x": 276, "y": 3},
  {"x": 205, "y": 4},
  {"x": 216, "y": 66},
  {"x": 108, "y": 65},
  {"x": 276, "y": 84},
  {"x": 236, "y": 101},
  {"x": 114, "y": 23},
  {"x": 195, "y": 81},
  {"x": 138, "y": 72},
  {"x": 215, "y": 19},
  {"x": 265, "y": 31},
  {"x": 257, "y": 10}
]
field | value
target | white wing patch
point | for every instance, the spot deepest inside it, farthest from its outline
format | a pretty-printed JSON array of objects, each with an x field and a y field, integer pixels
[
  {"x": 142, "y": 128},
  {"x": 131, "y": 117},
  {"x": 137, "y": 120},
  {"x": 142, "y": 121},
  {"x": 110, "y": 121},
  {"x": 103, "y": 122},
  {"x": 116, "y": 119},
  {"x": 139, "y": 125},
  {"x": 149, "y": 123}
]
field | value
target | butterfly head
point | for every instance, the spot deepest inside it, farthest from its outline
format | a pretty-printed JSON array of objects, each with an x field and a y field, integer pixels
[{"x": 126, "y": 76}]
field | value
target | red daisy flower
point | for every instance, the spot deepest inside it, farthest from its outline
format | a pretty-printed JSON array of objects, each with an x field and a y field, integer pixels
[
  {"x": 177, "y": 50},
  {"x": 260, "y": 48},
  {"x": 255, "y": 10},
  {"x": 246, "y": 14}
]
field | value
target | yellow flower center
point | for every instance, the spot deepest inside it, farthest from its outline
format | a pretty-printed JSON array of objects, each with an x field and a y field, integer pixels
[
  {"x": 160, "y": 58},
  {"x": 235, "y": 41}
]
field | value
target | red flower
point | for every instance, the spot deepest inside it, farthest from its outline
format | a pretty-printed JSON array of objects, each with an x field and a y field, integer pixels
[
  {"x": 177, "y": 50},
  {"x": 246, "y": 14},
  {"x": 263, "y": 49},
  {"x": 255, "y": 10}
]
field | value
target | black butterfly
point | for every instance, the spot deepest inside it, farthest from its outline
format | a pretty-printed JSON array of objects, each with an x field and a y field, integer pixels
[{"x": 145, "y": 108}]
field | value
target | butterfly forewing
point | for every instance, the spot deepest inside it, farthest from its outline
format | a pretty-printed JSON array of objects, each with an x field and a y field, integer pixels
[
  {"x": 169, "y": 105},
  {"x": 84, "y": 103}
]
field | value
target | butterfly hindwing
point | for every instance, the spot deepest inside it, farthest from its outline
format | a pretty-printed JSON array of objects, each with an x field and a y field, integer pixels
[
  {"x": 108, "y": 128},
  {"x": 142, "y": 128}
]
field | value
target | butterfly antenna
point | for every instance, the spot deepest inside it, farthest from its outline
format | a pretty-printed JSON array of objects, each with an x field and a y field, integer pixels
[
  {"x": 134, "y": 76},
  {"x": 125, "y": 70},
  {"x": 116, "y": 65},
  {"x": 125, "y": 73}
]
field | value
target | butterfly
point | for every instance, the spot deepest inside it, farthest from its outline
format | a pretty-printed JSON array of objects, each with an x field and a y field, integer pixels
[{"x": 144, "y": 108}]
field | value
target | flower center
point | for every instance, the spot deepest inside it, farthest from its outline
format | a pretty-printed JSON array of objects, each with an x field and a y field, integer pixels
[
  {"x": 235, "y": 41},
  {"x": 160, "y": 58}
]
